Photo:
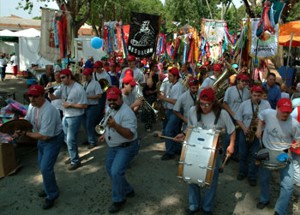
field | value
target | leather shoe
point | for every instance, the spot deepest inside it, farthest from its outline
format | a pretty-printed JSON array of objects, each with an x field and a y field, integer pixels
[
  {"x": 116, "y": 207},
  {"x": 190, "y": 212},
  {"x": 74, "y": 166},
  {"x": 130, "y": 194},
  {"x": 261, "y": 205},
  {"x": 42, "y": 194},
  {"x": 252, "y": 183},
  {"x": 166, "y": 157},
  {"x": 276, "y": 213},
  {"x": 48, "y": 204}
]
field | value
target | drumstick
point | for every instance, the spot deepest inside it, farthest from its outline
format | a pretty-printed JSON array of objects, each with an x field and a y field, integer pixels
[
  {"x": 221, "y": 169},
  {"x": 164, "y": 137}
]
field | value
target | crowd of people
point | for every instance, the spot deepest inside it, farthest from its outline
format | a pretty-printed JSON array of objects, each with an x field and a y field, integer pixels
[
  {"x": 6, "y": 59},
  {"x": 115, "y": 93}
]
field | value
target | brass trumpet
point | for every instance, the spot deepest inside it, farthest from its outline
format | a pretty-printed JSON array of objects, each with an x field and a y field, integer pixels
[{"x": 100, "y": 128}]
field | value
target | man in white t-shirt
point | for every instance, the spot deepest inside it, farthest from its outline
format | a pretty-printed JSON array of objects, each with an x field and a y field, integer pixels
[{"x": 280, "y": 129}]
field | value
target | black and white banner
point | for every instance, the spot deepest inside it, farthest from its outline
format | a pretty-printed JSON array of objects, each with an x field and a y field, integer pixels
[{"x": 143, "y": 33}]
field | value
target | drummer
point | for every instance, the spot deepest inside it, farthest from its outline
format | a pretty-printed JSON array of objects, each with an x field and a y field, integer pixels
[
  {"x": 280, "y": 129},
  {"x": 208, "y": 114}
]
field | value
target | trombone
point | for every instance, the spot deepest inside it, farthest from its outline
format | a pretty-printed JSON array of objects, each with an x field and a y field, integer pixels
[
  {"x": 148, "y": 107},
  {"x": 100, "y": 128}
]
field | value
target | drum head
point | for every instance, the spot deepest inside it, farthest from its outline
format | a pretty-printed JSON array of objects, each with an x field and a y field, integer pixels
[{"x": 18, "y": 124}]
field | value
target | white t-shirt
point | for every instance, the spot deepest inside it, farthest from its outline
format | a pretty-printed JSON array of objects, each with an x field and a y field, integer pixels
[
  {"x": 245, "y": 112},
  {"x": 175, "y": 91},
  {"x": 234, "y": 97},
  {"x": 208, "y": 82},
  {"x": 92, "y": 88},
  {"x": 278, "y": 131},
  {"x": 129, "y": 99},
  {"x": 207, "y": 120},
  {"x": 74, "y": 94},
  {"x": 126, "y": 118},
  {"x": 184, "y": 103}
]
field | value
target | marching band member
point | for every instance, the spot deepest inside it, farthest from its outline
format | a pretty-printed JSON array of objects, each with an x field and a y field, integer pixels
[
  {"x": 75, "y": 101},
  {"x": 295, "y": 153},
  {"x": 172, "y": 124},
  {"x": 279, "y": 127},
  {"x": 233, "y": 98},
  {"x": 93, "y": 92},
  {"x": 186, "y": 101},
  {"x": 208, "y": 115},
  {"x": 246, "y": 118},
  {"x": 121, "y": 138},
  {"x": 47, "y": 129},
  {"x": 209, "y": 81}
]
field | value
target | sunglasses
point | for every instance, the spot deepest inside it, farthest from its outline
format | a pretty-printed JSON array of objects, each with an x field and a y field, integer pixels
[
  {"x": 111, "y": 100},
  {"x": 62, "y": 77},
  {"x": 32, "y": 96},
  {"x": 205, "y": 104}
]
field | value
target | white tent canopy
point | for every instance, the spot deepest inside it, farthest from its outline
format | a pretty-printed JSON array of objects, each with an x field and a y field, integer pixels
[
  {"x": 30, "y": 32},
  {"x": 7, "y": 33}
]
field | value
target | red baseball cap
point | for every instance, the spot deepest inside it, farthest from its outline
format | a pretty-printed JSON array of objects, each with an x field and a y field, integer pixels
[
  {"x": 131, "y": 58},
  {"x": 128, "y": 72},
  {"x": 217, "y": 67},
  {"x": 87, "y": 71},
  {"x": 207, "y": 94},
  {"x": 257, "y": 89},
  {"x": 193, "y": 82},
  {"x": 98, "y": 64},
  {"x": 174, "y": 71},
  {"x": 36, "y": 90},
  {"x": 129, "y": 80},
  {"x": 66, "y": 72},
  {"x": 242, "y": 77},
  {"x": 113, "y": 93},
  {"x": 285, "y": 105}
]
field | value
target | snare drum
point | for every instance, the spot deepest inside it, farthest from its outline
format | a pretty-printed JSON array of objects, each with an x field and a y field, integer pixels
[
  {"x": 273, "y": 163},
  {"x": 198, "y": 156}
]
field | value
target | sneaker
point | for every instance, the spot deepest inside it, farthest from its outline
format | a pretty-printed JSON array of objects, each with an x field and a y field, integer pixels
[
  {"x": 240, "y": 177},
  {"x": 261, "y": 205},
  {"x": 74, "y": 166},
  {"x": 48, "y": 204},
  {"x": 68, "y": 161},
  {"x": 116, "y": 207},
  {"x": 190, "y": 212},
  {"x": 42, "y": 194}
]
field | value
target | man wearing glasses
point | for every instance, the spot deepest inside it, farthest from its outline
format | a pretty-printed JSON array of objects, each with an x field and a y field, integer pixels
[
  {"x": 74, "y": 104},
  {"x": 121, "y": 138},
  {"x": 47, "y": 130},
  {"x": 208, "y": 114}
]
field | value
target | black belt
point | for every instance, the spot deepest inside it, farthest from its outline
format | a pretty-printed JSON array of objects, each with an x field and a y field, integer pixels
[
  {"x": 93, "y": 105},
  {"x": 124, "y": 145}
]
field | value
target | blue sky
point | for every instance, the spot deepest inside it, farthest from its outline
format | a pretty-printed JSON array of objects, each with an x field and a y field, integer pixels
[{"x": 6, "y": 9}]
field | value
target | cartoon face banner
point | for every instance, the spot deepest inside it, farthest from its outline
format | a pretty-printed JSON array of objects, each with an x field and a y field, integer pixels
[
  {"x": 213, "y": 30},
  {"x": 143, "y": 33}
]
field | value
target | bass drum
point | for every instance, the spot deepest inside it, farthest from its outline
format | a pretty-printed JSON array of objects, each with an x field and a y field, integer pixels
[
  {"x": 198, "y": 156},
  {"x": 18, "y": 124}
]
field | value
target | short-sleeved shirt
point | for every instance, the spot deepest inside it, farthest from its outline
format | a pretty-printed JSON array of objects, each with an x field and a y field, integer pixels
[
  {"x": 74, "y": 94},
  {"x": 245, "y": 112},
  {"x": 103, "y": 75},
  {"x": 234, "y": 97},
  {"x": 129, "y": 99},
  {"x": 274, "y": 94},
  {"x": 207, "y": 120},
  {"x": 92, "y": 88},
  {"x": 184, "y": 103},
  {"x": 45, "y": 120},
  {"x": 277, "y": 131},
  {"x": 208, "y": 82},
  {"x": 126, "y": 118},
  {"x": 175, "y": 91}
]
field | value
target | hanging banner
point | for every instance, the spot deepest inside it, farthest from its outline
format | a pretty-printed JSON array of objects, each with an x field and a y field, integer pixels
[
  {"x": 143, "y": 33},
  {"x": 213, "y": 30},
  {"x": 56, "y": 34}
]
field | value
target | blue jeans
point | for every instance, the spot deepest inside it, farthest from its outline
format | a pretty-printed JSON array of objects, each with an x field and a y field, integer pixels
[
  {"x": 71, "y": 127},
  {"x": 209, "y": 194},
  {"x": 47, "y": 155},
  {"x": 116, "y": 164},
  {"x": 247, "y": 156},
  {"x": 89, "y": 123},
  {"x": 173, "y": 127},
  {"x": 286, "y": 187}
]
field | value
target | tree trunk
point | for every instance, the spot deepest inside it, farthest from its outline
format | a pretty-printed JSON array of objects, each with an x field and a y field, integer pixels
[{"x": 248, "y": 9}]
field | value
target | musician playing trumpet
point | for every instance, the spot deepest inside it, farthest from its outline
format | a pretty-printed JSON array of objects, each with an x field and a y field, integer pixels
[
  {"x": 247, "y": 119},
  {"x": 208, "y": 114},
  {"x": 122, "y": 140}
]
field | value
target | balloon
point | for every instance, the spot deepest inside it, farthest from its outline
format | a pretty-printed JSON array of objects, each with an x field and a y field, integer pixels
[{"x": 96, "y": 42}]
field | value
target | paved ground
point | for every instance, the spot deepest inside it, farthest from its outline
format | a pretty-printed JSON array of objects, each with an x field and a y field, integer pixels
[{"x": 87, "y": 190}]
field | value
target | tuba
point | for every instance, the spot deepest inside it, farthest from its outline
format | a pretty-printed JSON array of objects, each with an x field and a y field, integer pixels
[{"x": 221, "y": 84}]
